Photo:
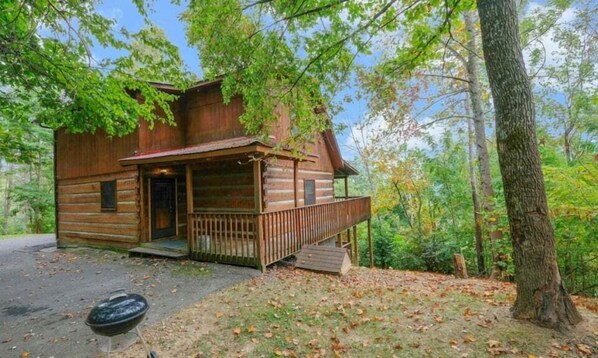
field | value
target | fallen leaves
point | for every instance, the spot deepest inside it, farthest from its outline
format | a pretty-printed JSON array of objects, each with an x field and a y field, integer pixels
[{"x": 289, "y": 313}]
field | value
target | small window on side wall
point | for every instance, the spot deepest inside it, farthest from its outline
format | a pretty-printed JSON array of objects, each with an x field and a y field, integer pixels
[
  {"x": 108, "y": 195},
  {"x": 309, "y": 190}
]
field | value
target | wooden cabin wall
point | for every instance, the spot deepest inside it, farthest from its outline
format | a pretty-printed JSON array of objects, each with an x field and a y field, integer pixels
[
  {"x": 163, "y": 135},
  {"x": 223, "y": 186},
  {"x": 83, "y": 161},
  {"x": 83, "y": 155},
  {"x": 278, "y": 179},
  {"x": 81, "y": 220},
  {"x": 209, "y": 119}
]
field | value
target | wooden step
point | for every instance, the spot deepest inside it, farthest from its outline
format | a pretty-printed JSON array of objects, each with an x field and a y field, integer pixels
[
  {"x": 324, "y": 258},
  {"x": 146, "y": 251}
]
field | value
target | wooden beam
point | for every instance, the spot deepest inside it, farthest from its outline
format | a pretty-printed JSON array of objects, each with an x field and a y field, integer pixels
[
  {"x": 346, "y": 187},
  {"x": 143, "y": 231},
  {"x": 257, "y": 183},
  {"x": 370, "y": 243},
  {"x": 356, "y": 245},
  {"x": 295, "y": 183},
  {"x": 189, "y": 189}
]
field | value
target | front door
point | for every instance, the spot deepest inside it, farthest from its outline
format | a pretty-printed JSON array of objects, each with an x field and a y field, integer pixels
[{"x": 163, "y": 207}]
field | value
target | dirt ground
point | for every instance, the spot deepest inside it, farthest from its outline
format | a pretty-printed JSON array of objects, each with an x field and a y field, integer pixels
[
  {"x": 46, "y": 294},
  {"x": 367, "y": 313}
]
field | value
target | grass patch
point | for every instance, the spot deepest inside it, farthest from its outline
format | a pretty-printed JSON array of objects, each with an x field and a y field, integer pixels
[
  {"x": 367, "y": 313},
  {"x": 191, "y": 269}
]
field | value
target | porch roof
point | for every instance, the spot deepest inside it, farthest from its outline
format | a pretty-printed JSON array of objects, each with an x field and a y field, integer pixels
[
  {"x": 224, "y": 147},
  {"x": 346, "y": 170}
]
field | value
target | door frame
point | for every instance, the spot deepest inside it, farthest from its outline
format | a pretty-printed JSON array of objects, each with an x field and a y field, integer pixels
[{"x": 151, "y": 208}]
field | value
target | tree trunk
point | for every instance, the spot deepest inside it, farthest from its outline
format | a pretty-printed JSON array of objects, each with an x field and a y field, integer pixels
[
  {"x": 475, "y": 96},
  {"x": 459, "y": 266},
  {"x": 7, "y": 196},
  {"x": 477, "y": 217},
  {"x": 541, "y": 294}
]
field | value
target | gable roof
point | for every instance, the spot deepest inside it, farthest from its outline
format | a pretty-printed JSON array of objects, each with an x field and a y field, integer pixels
[{"x": 339, "y": 165}]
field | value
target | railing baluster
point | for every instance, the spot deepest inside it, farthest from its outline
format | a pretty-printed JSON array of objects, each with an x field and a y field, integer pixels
[{"x": 244, "y": 238}]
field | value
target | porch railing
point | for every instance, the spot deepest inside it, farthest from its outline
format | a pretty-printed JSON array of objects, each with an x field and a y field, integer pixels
[{"x": 254, "y": 239}]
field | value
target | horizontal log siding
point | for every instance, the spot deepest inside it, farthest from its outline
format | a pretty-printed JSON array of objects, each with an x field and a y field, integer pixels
[
  {"x": 223, "y": 186},
  {"x": 278, "y": 186},
  {"x": 81, "y": 220},
  {"x": 230, "y": 237}
]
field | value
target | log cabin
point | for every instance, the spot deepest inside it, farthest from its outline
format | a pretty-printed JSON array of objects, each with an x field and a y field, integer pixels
[{"x": 204, "y": 187}]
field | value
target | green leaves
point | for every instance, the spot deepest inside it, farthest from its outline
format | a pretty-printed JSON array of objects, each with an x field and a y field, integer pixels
[{"x": 47, "y": 61}]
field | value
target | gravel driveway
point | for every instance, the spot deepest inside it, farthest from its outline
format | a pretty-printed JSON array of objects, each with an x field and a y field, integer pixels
[{"x": 46, "y": 294}]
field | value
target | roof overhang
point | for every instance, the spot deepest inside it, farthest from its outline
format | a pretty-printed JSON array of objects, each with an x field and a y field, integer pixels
[
  {"x": 345, "y": 171},
  {"x": 240, "y": 146}
]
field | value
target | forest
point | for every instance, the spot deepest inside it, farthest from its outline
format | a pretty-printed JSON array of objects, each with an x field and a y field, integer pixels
[{"x": 426, "y": 147}]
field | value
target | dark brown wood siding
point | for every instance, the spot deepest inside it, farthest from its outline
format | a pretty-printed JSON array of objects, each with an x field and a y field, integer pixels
[
  {"x": 209, "y": 119},
  {"x": 163, "y": 135},
  {"x": 83, "y": 155},
  {"x": 223, "y": 186}
]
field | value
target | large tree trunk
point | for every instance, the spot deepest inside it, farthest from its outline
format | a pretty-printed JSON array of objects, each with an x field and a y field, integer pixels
[
  {"x": 475, "y": 96},
  {"x": 541, "y": 294}
]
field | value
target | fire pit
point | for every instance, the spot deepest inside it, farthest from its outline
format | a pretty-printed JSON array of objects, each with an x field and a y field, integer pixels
[{"x": 119, "y": 314}]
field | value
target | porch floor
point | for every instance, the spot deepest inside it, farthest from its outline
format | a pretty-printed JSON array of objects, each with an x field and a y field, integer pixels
[
  {"x": 168, "y": 243},
  {"x": 167, "y": 247}
]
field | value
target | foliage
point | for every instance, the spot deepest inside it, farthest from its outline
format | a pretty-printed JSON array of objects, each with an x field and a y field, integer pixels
[
  {"x": 49, "y": 76},
  {"x": 300, "y": 54}
]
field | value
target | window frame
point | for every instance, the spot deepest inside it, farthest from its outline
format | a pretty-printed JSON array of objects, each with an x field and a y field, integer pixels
[
  {"x": 306, "y": 195},
  {"x": 104, "y": 194}
]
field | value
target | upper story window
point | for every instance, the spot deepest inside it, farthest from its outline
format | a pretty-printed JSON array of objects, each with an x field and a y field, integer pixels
[
  {"x": 309, "y": 191},
  {"x": 108, "y": 195}
]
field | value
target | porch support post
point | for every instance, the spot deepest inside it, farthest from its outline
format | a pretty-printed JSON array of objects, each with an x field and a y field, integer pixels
[
  {"x": 370, "y": 243},
  {"x": 143, "y": 229},
  {"x": 346, "y": 187},
  {"x": 295, "y": 182},
  {"x": 355, "y": 245},
  {"x": 189, "y": 188},
  {"x": 257, "y": 183}
]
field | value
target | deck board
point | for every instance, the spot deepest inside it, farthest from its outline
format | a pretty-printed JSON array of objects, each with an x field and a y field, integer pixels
[{"x": 156, "y": 252}]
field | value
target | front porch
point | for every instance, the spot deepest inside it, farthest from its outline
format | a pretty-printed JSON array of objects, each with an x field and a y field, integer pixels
[
  {"x": 260, "y": 239},
  {"x": 249, "y": 208}
]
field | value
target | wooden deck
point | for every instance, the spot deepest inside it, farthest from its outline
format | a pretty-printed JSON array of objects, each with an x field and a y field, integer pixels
[{"x": 260, "y": 239}]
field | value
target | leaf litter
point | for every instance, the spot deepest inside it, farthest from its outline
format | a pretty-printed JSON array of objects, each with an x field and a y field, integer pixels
[{"x": 368, "y": 312}]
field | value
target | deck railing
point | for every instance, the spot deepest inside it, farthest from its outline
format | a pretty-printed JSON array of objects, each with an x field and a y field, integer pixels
[{"x": 261, "y": 239}]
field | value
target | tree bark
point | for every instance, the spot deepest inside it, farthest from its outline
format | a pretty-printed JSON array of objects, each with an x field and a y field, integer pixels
[
  {"x": 475, "y": 97},
  {"x": 477, "y": 217},
  {"x": 541, "y": 294}
]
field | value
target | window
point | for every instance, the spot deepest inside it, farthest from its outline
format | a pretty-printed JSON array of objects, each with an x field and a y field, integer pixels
[
  {"x": 108, "y": 195},
  {"x": 309, "y": 190}
]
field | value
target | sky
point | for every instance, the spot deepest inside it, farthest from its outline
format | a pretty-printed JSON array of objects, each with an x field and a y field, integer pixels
[{"x": 167, "y": 16}]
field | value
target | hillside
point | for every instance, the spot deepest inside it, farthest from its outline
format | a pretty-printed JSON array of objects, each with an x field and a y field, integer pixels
[{"x": 368, "y": 312}]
